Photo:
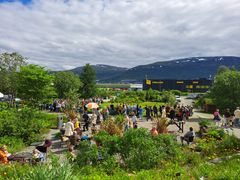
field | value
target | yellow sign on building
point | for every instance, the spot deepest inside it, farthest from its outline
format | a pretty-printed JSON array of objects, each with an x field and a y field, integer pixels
[
  {"x": 157, "y": 82},
  {"x": 148, "y": 82},
  {"x": 180, "y": 82}
]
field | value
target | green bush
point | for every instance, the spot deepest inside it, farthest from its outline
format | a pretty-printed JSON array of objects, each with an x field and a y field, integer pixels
[
  {"x": 228, "y": 169},
  {"x": 139, "y": 150},
  {"x": 207, "y": 147},
  {"x": 215, "y": 133},
  {"x": 212, "y": 146},
  {"x": 205, "y": 123},
  {"x": 109, "y": 142},
  {"x": 51, "y": 171},
  {"x": 3, "y": 106},
  {"x": 14, "y": 144},
  {"x": 168, "y": 97},
  {"x": 87, "y": 154},
  {"x": 26, "y": 124},
  {"x": 231, "y": 143}
]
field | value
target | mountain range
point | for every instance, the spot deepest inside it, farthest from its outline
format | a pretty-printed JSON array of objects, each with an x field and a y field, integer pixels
[{"x": 186, "y": 68}]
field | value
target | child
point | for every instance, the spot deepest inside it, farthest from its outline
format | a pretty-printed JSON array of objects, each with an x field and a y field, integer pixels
[{"x": 37, "y": 156}]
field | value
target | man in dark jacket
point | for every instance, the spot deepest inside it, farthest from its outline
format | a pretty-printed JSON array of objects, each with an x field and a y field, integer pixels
[{"x": 86, "y": 121}]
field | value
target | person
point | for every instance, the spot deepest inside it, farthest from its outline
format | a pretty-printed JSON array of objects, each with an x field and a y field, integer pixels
[
  {"x": 93, "y": 118},
  {"x": 98, "y": 120},
  {"x": 154, "y": 132},
  {"x": 74, "y": 139},
  {"x": 69, "y": 128},
  {"x": 5, "y": 156},
  {"x": 140, "y": 112},
  {"x": 44, "y": 148},
  {"x": 134, "y": 119},
  {"x": 37, "y": 156},
  {"x": 202, "y": 130},
  {"x": 128, "y": 123},
  {"x": 217, "y": 117},
  {"x": 172, "y": 114},
  {"x": 85, "y": 138},
  {"x": 86, "y": 121},
  {"x": 164, "y": 113},
  {"x": 187, "y": 137},
  {"x": 237, "y": 117},
  {"x": 155, "y": 110},
  {"x": 148, "y": 113},
  {"x": 228, "y": 117},
  {"x": 76, "y": 124},
  {"x": 62, "y": 129}
]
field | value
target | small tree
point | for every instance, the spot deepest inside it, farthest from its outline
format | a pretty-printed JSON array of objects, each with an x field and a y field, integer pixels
[
  {"x": 168, "y": 97},
  {"x": 88, "y": 78},
  {"x": 226, "y": 89},
  {"x": 64, "y": 82},
  {"x": 34, "y": 83},
  {"x": 9, "y": 64}
]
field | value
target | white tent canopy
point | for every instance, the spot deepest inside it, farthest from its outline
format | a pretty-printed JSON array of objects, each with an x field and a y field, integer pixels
[{"x": 1, "y": 95}]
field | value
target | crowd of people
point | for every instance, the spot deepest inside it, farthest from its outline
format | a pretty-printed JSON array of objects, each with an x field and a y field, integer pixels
[
  {"x": 228, "y": 118},
  {"x": 82, "y": 126}
]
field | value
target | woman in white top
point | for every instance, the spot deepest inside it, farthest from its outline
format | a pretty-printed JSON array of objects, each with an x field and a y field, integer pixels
[
  {"x": 164, "y": 114},
  {"x": 69, "y": 128}
]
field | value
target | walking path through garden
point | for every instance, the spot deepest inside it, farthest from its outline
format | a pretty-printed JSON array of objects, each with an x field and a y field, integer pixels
[{"x": 192, "y": 122}]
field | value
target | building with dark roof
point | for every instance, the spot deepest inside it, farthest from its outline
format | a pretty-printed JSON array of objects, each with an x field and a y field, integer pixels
[{"x": 198, "y": 85}]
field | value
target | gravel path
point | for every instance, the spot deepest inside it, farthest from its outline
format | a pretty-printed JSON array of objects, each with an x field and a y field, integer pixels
[{"x": 192, "y": 122}]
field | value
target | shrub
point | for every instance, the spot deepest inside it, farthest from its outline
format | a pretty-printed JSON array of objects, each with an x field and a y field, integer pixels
[
  {"x": 215, "y": 133},
  {"x": 87, "y": 154},
  {"x": 112, "y": 127},
  {"x": 25, "y": 124},
  {"x": 231, "y": 143},
  {"x": 168, "y": 97},
  {"x": 3, "y": 106},
  {"x": 109, "y": 142},
  {"x": 205, "y": 123},
  {"x": 53, "y": 171},
  {"x": 14, "y": 144},
  {"x": 207, "y": 147},
  {"x": 139, "y": 150},
  {"x": 162, "y": 125}
]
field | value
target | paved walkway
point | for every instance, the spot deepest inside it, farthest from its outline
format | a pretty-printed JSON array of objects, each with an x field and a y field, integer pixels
[{"x": 192, "y": 122}]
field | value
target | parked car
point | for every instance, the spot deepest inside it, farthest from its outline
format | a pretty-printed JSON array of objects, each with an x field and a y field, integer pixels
[
  {"x": 193, "y": 96},
  {"x": 178, "y": 98}
]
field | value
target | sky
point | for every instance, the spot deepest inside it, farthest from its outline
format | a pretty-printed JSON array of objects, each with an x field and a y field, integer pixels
[{"x": 63, "y": 34}]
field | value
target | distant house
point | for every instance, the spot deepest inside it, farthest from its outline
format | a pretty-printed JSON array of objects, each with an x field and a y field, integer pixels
[{"x": 196, "y": 85}]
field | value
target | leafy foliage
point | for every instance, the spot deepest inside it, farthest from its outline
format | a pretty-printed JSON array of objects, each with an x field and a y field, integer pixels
[
  {"x": 9, "y": 64},
  {"x": 14, "y": 144},
  {"x": 162, "y": 125},
  {"x": 168, "y": 97},
  {"x": 205, "y": 123},
  {"x": 34, "y": 83},
  {"x": 226, "y": 89},
  {"x": 113, "y": 127},
  {"x": 26, "y": 125},
  {"x": 107, "y": 141},
  {"x": 153, "y": 95},
  {"x": 88, "y": 78},
  {"x": 139, "y": 150},
  {"x": 87, "y": 154},
  {"x": 64, "y": 82}
]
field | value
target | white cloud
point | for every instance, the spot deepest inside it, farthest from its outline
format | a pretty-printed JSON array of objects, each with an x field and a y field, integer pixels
[{"x": 64, "y": 34}]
